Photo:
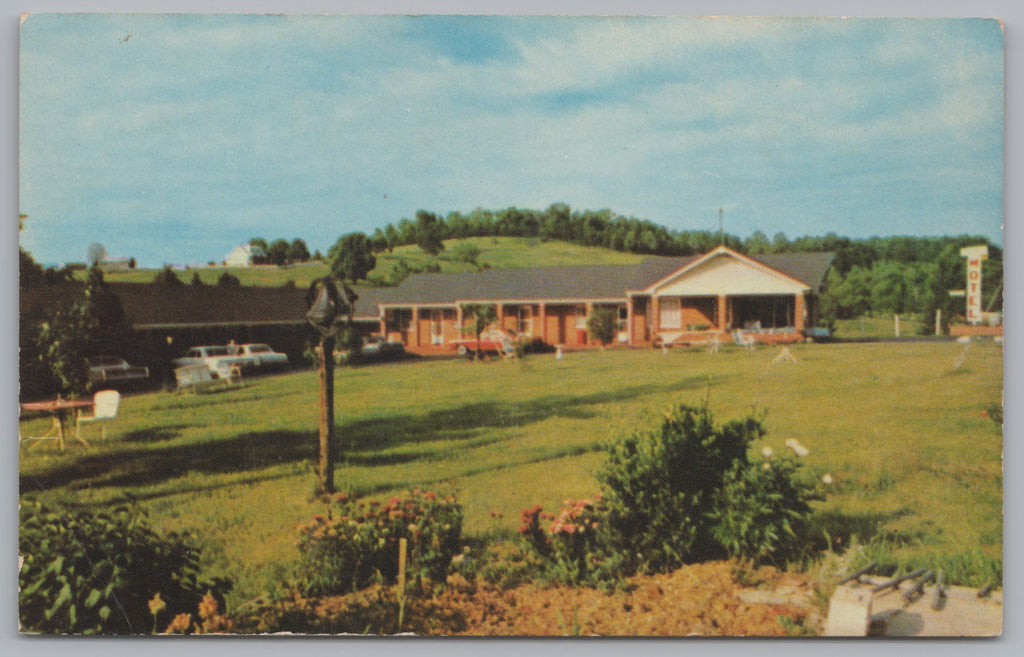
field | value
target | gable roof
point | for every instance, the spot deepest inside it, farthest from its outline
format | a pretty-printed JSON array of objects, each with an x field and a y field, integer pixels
[{"x": 808, "y": 268}]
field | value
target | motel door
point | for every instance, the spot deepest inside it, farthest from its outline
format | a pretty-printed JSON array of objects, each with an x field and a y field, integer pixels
[{"x": 437, "y": 327}]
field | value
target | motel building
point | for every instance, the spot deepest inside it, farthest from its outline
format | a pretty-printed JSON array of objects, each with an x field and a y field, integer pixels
[{"x": 719, "y": 296}]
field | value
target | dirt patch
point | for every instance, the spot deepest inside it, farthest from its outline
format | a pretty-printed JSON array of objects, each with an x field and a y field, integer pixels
[{"x": 698, "y": 600}]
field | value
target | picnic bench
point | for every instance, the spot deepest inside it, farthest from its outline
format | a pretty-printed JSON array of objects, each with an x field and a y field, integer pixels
[{"x": 198, "y": 378}]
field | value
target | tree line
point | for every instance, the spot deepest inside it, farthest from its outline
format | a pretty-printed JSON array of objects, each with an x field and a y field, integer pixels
[{"x": 869, "y": 276}]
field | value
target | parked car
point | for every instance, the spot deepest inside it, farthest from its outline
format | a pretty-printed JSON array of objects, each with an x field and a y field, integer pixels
[
  {"x": 262, "y": 356},
  {"x": 374, "y": 348},
  {"x": 218, "y": 359},
  {"x": 492, "y": 341},
  {"x": 375, "y": 345},
  {"x": 104, "y": 370}
]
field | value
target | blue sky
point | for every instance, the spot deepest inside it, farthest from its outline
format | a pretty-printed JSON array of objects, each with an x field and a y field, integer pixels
[{"x": 172, "y": 138}]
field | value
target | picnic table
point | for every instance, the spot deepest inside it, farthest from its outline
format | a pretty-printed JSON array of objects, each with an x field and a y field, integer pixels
[{"x": 60, "y": 411}]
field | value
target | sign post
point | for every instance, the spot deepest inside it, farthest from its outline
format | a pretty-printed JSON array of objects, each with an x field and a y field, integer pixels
[
  {"x": 326, "y": 308},
  {"x": 974, "y": 255}
]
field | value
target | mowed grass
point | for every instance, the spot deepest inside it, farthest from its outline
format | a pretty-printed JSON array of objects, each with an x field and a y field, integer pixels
[
  {"x": 495, "y": 252},
  {"x": 900, "y": 430},
  {"x": 882, "y": 327}
]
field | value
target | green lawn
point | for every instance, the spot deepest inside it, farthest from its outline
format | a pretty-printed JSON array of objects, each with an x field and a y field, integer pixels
[
  {"x": 882, "y": 327},
  {"x": 495, "y": 252},
  {"x": 900, "y": 430}
]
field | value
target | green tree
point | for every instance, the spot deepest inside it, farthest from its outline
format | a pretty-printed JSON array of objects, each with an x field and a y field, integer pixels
[
  {"x": 351, "y": 258},
  {"x": 468, "y": 253},
  {"x": 166, "y": 276},
  {"x": 603, "y": 325},
  {"x": 297, "y": 251},
  {"x": 482, "y": 316},
  {"x": 277, "y": 252},
  {"x": 830, "y": 298},
  {"x": 429, "y": 232},
  {"x": 260, "y": 248},
  {"x": 197, "y": 280},
  {"x": 757, "y": 243},
  {"x": 227, "y": 279},
  {"x": 93, "y": 324}
]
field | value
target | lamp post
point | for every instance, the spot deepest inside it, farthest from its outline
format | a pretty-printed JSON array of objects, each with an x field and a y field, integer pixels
[{"x": 326, "y": 307}]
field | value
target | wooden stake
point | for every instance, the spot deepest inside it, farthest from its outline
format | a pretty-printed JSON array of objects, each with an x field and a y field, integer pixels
[{"x": 402, "y": 546}]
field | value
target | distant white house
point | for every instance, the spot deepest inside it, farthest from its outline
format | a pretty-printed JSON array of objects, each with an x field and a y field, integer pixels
[{"x": 244, "y": 255}]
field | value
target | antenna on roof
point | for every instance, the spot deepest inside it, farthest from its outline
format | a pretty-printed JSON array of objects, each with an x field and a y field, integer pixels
[{"x": 721, "y": 228}]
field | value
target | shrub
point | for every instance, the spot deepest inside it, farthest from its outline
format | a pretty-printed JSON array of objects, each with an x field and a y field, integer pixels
[
  {"x": 602, "y": 325},
  {"x": 346, "y": 551},
  {"x": 94, "y": 573},
  {"x": 660, "y": 485},
  {"x": 574, "y": 545},
  {"x": 762, "y": 510}
]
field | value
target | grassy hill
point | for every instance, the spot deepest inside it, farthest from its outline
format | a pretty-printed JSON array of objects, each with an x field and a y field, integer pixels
[{"x": 495, "y": 252}]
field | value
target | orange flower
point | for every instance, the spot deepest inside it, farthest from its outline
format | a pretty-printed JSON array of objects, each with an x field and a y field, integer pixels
[
  {"x": 208, "y": 606},
  {"x": 156, "y": 605},
  {"x": 180, "y": 623}
]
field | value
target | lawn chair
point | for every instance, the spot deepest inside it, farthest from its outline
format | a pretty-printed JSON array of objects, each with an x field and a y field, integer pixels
[
  {"x": 104, "y": 407},
  {"x": 743, "y": 339}
]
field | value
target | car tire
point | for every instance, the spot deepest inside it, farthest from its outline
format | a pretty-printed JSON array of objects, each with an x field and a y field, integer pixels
[{"x": 462, "y": 350}]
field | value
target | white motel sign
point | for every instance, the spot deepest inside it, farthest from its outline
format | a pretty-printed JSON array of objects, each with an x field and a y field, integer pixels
[{"x": 974, "y": 255}]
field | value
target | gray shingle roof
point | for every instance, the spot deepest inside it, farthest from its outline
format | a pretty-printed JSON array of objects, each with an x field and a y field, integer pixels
[{"x": 579, "y": 282}]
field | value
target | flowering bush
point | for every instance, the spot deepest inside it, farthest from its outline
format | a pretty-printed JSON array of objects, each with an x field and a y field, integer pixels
[
  {"x": 358, "y": 541},
  {"x": 573, "y": 543}
]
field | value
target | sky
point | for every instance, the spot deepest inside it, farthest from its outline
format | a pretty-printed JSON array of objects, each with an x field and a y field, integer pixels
[{"x": 173, "y": 138}]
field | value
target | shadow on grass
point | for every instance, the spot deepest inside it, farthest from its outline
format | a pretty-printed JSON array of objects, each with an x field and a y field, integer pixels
[
  {"x": 140, "y": 461},
  {"x": 467, "y": 421},
  {"x": 841, "y": 529}
]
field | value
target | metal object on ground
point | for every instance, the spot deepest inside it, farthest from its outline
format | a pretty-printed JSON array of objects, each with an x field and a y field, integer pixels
[
  {"x": 918, "y": 588},
  {"x": 863, "y": 571},
  {"x": 937, "y": 600},
  {"x": 895, "y": 582}
]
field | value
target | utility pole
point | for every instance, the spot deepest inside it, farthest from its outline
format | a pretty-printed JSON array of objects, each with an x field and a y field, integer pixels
[{"x": 721, "y": 227}]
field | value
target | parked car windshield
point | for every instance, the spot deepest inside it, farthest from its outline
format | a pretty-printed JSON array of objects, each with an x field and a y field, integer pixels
[{"x": 259, "y": 348}]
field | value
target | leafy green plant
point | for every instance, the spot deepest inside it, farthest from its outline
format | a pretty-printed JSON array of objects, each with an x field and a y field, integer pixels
[
  {"x": 94, "y": 573},
  {"x": 348, "y": 551},
  {"x": 761, "y": 510},
  {"x": 660, "y": 484},
  {"x": 603, "y": 325}
]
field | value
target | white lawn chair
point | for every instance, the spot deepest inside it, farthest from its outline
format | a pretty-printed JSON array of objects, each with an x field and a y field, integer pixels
[
  {"x": 104, "y": 407},
  {"x": 743, "y": 339}
]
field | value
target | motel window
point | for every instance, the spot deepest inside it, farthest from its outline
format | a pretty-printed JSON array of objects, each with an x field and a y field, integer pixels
[
  {"x": 623, "y": 318},
  {"x": 581, "y": 317},
  {"x": 671, "y": 316}
]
